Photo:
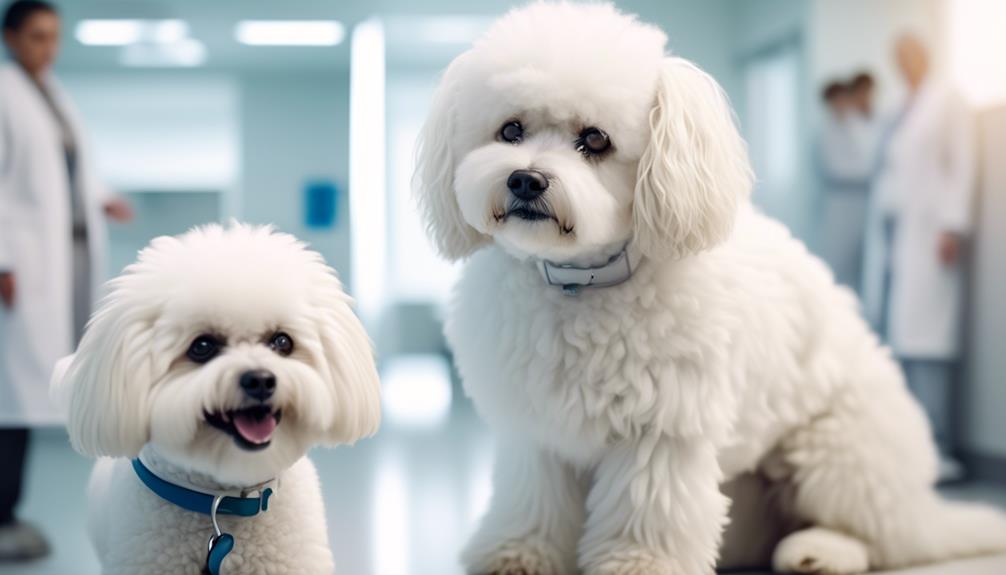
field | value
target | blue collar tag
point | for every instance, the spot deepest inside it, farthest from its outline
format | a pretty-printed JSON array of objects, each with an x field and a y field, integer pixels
[{"x": 220, "y": 543}]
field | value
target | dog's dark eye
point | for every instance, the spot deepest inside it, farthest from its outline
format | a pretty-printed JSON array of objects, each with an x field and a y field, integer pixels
[
  {"x": 512, "y": 132},
  {"x": 203, "y": 348},
  {"x": 592, "y": 141},
  {"x": 281, "y": 343}
]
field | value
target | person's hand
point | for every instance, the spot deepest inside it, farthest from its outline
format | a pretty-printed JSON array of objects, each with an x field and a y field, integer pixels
[
  {"x": 7, "y": 285},
  {"x": 119, "y": 210},
  {"x": 949, "y": 248}
]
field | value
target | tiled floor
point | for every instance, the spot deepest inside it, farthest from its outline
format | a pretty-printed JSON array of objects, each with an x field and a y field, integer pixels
[{"x": 398, "y": 504}]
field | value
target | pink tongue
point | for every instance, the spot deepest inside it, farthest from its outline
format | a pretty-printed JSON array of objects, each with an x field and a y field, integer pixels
[{"x": 255, "y": 430}]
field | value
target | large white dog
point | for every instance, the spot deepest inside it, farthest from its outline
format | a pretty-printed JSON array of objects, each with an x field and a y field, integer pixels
[
  {"x": 214, "y": 364},
  {"x": 638, "y": 334}
]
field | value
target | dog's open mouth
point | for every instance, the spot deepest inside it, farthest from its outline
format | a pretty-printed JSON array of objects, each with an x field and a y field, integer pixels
[{"x": 252, "y": 427}]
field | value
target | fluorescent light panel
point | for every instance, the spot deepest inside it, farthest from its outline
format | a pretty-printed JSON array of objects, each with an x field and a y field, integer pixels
[
  {"x": 450, "y": 29},
  {"x": 185, "y": 53},
  {"x": 367, "y": 150},
  {"x": 289, "y": 32},
  {"x": 126, "y": 31}
]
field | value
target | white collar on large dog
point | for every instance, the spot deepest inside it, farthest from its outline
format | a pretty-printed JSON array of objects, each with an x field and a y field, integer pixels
[{"x": 572, "y": 278}]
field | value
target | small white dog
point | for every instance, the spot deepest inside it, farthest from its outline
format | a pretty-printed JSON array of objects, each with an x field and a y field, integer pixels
[
  {"x": 638, "y": 334},
  {"x": 215, "y": 362}
]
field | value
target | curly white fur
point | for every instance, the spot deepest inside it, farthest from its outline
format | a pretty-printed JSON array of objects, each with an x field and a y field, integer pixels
[
  {"x": 731, "y": 354},
  {"x": 130, "y": 387}
]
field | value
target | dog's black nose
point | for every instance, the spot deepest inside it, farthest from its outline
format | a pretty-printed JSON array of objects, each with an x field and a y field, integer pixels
[
  {"x": 527, "y": 184},
  {"x": 258, "y": 384}
]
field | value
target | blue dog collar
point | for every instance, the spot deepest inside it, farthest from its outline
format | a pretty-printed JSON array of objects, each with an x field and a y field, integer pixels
[
  {"x": 220, "y": 544},
  {"x": 200, "y": 502}
]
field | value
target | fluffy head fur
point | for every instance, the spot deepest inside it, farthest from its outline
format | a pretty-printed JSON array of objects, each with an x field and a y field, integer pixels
[
  {"x": 670, "y": 182},
  {"x": 131, "y": 381}
]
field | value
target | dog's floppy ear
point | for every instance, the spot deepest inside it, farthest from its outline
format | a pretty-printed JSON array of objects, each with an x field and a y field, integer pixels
[
  {"x": 105, "y": 385},
  {"x": 349, "y": 355},
  {"x": 694, "y": 171},
  {"x": 433, "y": 179}
]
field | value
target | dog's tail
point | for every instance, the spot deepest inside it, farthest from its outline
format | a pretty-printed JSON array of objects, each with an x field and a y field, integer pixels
[{"x": 938, "y": 530}]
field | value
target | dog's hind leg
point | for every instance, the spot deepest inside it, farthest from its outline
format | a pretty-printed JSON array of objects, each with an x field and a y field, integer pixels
[
  {"x": 863, "y": 477},
  {"x": 534, "y": 519}
]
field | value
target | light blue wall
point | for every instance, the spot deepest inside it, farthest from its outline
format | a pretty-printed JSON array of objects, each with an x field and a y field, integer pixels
[
  {"x": 294, "y": 128},
  {"x": 158, "y": 214},
  {"x": 287, "y": 128},
  {"x": 757, "y": 28},
  {"x": 698, "y": 31},
  {"x": 166, "y": 141}
]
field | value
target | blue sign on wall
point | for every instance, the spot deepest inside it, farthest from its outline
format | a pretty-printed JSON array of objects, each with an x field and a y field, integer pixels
[{"x": 321, "y": 200}]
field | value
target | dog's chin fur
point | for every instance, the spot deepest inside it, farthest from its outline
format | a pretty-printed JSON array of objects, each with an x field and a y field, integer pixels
[
  {"x": 729, "y": 354},
  {"x": 131, "y": 385}
]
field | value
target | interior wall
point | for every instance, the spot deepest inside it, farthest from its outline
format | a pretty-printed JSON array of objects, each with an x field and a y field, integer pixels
[
  {"x": 757, "y": 30},
  {"x": 696, "y": 31},
  {"x": 761, "y": 23},
  {"x": 167, "y": 142},
  {"x": 153, "y": 131},
  {"x": 251, "y": 141},
  {"x": 984, "y": 424},
  {"x": 294, "y": 129}
]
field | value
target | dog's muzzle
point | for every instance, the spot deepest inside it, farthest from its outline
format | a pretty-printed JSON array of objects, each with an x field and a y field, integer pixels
[{"x": 253, "y": 425}]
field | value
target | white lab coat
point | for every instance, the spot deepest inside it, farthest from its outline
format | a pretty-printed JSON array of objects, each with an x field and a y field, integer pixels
[
  {"x": 847, "y": 157},
  {"x": 36, "y": 243},
  {"x": 926, "y": 184}
]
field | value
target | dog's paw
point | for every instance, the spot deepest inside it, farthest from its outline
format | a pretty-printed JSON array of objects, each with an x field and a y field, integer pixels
[
  {"x": 820, "y": 551},
  {"x": 629, "y": 562},
  {"x": 522, "y": 557}
]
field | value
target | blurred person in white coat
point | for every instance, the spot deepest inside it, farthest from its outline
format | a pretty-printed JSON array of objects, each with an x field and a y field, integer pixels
[
  {"x": 847, "y": 158},
  {"x": 51, "y": 245},
  {"x": 921, "y": 215}
]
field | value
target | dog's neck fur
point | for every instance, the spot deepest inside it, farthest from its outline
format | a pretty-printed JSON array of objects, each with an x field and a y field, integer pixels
[{"x": 162, "y": 467}]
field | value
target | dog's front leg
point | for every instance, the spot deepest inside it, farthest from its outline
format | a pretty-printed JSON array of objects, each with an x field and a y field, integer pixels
[
  {"x": 534, "y": 519},
  {"x": 655, "y": 508}
]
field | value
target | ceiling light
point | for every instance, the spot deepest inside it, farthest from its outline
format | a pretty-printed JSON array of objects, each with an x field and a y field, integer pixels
[
  {"x": 289, "y": 32},
  {"x": 450, "y": 29},
  {"x": 184, "y": 53},
  {"x": 125, "y": 32}
]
